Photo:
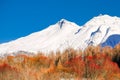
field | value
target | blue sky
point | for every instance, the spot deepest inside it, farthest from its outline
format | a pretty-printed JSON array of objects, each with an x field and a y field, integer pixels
[{"x": 21, "y": 17}]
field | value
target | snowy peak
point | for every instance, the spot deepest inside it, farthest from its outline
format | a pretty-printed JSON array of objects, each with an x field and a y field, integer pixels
[
  {"x": 62, "y": 22},
  {"x": 103, "y": 29},
  {"x": 104, "y": 20},
  {"x": 65, "y": 23}
]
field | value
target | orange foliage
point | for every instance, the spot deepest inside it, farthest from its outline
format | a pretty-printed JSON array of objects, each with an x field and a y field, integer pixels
[{"x": 96, "y": 64}]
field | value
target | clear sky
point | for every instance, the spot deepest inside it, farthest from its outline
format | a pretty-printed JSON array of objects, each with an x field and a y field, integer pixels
[{"x": 21, "y": 17}]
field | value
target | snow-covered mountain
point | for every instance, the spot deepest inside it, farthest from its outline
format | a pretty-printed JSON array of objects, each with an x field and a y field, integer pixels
[{"x": 103, "y": 29}]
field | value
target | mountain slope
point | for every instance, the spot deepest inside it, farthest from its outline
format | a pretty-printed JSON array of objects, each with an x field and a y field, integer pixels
[
  {"x": 97, "y": 30},
  {"x": 66, "y": 34},
  {"x": 49, "y": 39}
]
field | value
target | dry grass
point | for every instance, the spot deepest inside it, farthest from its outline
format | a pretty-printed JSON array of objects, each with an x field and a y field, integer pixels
[{"x": 96, "y": 64}]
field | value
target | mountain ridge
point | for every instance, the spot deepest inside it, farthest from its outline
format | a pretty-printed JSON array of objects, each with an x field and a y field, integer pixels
[{"x": 65, "y": 34}]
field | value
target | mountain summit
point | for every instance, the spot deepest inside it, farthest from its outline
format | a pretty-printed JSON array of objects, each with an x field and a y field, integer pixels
[{"x": 103, "y": 30}]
